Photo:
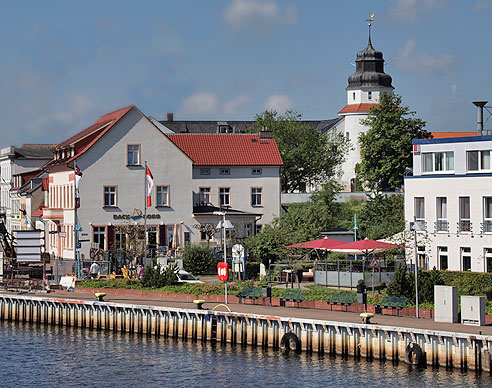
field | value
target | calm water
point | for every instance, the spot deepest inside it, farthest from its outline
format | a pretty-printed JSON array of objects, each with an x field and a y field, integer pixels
[{"x": 45, "y": 356}]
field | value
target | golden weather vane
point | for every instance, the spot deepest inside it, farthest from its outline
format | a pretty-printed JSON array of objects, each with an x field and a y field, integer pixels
[{"x": 370, "y": 20}]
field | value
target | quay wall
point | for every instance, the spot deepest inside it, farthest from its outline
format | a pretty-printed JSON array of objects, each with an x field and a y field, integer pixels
[{"x": 414, "y": 346}]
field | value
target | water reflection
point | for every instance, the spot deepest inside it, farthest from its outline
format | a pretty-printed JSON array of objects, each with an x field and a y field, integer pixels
[{"x": 46, "y": 356}]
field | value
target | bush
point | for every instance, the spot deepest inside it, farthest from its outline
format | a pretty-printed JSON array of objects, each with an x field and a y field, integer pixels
[
  {"x": 198, "y": 258},
  {"x": 156, "y": 277},
  {"x": 252, "y": 270},
  {"x": 468, "y": 283},
  {"x": 402, "y": 284}
]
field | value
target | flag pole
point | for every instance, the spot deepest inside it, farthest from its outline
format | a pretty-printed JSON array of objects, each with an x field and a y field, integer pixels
[{"x": 145, "y": 213}]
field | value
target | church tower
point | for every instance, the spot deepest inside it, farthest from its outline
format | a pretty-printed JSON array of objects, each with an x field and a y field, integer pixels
[{"x": 364, "y": 90}]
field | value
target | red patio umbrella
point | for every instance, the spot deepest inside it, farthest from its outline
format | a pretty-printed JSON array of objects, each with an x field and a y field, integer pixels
[
  {"x": 363, "y": 247},
  {"x": 321, "y": 243}
]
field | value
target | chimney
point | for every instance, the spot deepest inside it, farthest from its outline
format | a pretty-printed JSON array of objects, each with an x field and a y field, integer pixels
[
  {"x": 479, "y": 105},
  {"x": 170, "y": 117},
  {"x": 265, "y": 134}
]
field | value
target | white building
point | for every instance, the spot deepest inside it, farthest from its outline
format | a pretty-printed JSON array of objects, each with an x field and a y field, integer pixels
[
  {"x": 451, "y": 190},
  {"x": 14, "y": 161},
  {"x": 193, "y": 175}
]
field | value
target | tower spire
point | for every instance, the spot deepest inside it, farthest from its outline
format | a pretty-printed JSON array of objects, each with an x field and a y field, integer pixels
[{"x": 369, "y": 24}]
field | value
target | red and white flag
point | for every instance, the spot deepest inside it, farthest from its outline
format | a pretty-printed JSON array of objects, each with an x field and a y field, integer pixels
[{"x": 150, "y": 183}]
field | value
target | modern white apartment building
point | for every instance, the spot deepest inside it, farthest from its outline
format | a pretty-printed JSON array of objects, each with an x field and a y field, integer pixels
[{"x": 451, "y": 191}]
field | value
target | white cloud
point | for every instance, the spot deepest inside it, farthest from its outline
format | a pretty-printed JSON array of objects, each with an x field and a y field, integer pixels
[
  {"x": 200, "y": 103},
  {"x": 407, "y": 11},
  {"x": 81, "y": 105},
  {"x": 279, "y": 103},
  {"x": 233, "y": 105},
  {"x": 423, "y": 62},
  {"x": 258, "y": 15},
  {"x": 481, "y": 5}
]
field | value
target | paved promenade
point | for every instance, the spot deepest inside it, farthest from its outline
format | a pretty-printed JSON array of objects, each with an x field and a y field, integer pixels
[{"x": 304, "y": 313}]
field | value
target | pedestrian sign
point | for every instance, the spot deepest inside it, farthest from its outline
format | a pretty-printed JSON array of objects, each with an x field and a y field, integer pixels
[{"x": 374, "y": 263}]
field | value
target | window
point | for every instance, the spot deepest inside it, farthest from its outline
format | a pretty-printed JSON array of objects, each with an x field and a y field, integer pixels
[
  {"x": 347, "y": 135},
  {"x": 224, "y": 171},
  {"x": 369, "y": 95},
  {"x": 487, "y": 214},
  {"x": 438, "y": 161},
  {"x": 466, "y": 259},
  {"x": 442, "y": 214},
  {"x": 109, "y": 196},
  {"x": 488, "y": 259},
  {"x": 119, "y": 239},
  {"x": 464, "y": 224},
  {"x": 256, "y": 171},
  {"x": 419, "y": 210},
  {"x": 205, "y": 198},
  {"x": 247, "y": 230},
  {"x": 133, "y": 155},
  {"x": 258, "y": 228},
  {"x": 225, "y": 196},
  {"x": 162, "y": 196},
  {"x": 478, "y": 160},
  {"x": 98, "y": 236},
  {"x": 225, "y": 129},
  {"x": 353, "y": 96},
  {"x": 256, "y": 196},
  {"x": 442, "y": 254},
  {"x": 204, "y": 171}
]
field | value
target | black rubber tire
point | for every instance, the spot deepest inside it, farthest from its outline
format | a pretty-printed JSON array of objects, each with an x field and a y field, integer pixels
[
  {"x": 414, "y": 354},
  {"x": 290, "y": 342}
]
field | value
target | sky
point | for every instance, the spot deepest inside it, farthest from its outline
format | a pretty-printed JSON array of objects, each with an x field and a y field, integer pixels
[{"x": 65, "y": 63}]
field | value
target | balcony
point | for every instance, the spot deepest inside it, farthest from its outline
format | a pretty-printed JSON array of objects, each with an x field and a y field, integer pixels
[
  {"x": 486, "y": 226},
  {"x": 464, "y": 226},
  {"x": 441, "y": 226}
]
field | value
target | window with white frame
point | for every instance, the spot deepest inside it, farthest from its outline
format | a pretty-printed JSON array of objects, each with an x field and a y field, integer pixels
[
  {"x": 109, "y": 196},
  {"x": 224, "y": 171},
  {"x": 98, "y": 236},
  {"x": 465, "y": 259},
  {"x": 162, "y": 196},
  {"x": 133, "y": 155},
  {"x": 369, "y": 95},
  {"x": 478, "y": 160},
  {"x": 442, "y": 214},
  {"x": 205, "y": 198},
  {"x": 464, "y": 224},
  {"x": 419, "y": 210},
  {"x": 256, "y": 171},
  {"x": 487, "y": 215},
  {"x": 225, "y": 196},
  {"x": 256, "y": 196},
  {"x": 442, "y": 254},
  {"x": 438, "y": 162}
]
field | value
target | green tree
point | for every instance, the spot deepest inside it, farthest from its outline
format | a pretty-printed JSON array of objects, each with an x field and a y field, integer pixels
[
  {"x": 402, "y": 284},
  {"x": 198, "y": 258},
  {"x": 381, "y": 217},
  {"x": 309, "y": 157},
  {"x": 386, "y": 147}
]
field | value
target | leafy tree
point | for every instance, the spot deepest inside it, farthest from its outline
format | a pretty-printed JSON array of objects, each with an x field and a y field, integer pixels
[
  {"x": 402, "y": 284},
  {"x": 198, "y": 258},
  {"x": 386, "y": 147},
  {"x": 381, "y": 217},
  {"x": 309, "y": 158}
]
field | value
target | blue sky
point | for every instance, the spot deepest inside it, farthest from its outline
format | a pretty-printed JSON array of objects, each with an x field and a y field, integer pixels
[{"x": 65, "y": 62}]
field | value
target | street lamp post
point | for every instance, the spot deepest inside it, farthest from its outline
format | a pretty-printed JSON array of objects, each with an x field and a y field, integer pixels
[
  {"x": 223, "y": 224},
  {"x": 416, "y": 226}
]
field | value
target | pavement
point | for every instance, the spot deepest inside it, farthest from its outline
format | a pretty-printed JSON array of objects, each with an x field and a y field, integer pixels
[{"x": 303, "y": 313}]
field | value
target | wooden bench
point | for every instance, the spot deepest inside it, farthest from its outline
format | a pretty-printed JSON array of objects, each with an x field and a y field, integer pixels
[
  {"x": 250, "y": 293},
  {"x": 100, "y": 296},
  {"x": 291, "y": 295},
  {"x": 366, "y": 317},
  {"x": 199, "y": 303},
  {"x": 393, "y": 303},
  {"x": 342, "y": 299}
]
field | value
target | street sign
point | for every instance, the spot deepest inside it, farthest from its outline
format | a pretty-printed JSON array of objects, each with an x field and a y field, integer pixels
[
  {"x": 222, "y": 271},
  {"x": 374, "y": 263},
  {"x": 78, "y": 245},
  {"x": 28, "y": 245}
]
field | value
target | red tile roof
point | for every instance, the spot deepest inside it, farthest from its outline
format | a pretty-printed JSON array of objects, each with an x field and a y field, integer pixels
[
  {"x": 228, "y": 149},
  {"x": 443, "y": 135},
  {"x": 39, "y": 212},
  {"x": 352, "y": 108},
  {"x": 83, "y": 140}
]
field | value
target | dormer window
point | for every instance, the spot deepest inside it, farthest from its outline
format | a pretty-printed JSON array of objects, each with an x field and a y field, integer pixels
[
  {"x": 225, "y": 129},
  {"x": 204, "y": 171},
  {"x": 225, "y": 171}
]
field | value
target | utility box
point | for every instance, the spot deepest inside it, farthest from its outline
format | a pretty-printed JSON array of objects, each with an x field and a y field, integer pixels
[
  {"x": 473, "y": 310},
  {"x": 446, "y": 304}
]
